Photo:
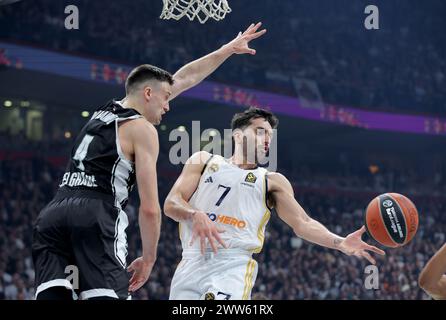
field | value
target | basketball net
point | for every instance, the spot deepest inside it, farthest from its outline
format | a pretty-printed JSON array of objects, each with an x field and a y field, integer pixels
[{"x": 200, "y": 9}]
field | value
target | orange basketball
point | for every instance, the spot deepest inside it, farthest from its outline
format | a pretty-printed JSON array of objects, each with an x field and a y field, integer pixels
[{"x": 391, "y": 219}]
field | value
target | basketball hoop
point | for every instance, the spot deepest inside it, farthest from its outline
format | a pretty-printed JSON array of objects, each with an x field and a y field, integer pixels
[{"x": 200, "y": 9}]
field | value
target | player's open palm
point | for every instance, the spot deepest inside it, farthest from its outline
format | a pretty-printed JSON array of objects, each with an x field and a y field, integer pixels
[
  {"x": 205, "y": 229},
  {"x": 141, "y": 272},
  {"x": 353, "y": 245},
  {"x": 241, "y": 43}
]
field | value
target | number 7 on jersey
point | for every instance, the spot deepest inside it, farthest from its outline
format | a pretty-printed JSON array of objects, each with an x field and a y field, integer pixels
[{"x": 225, "y": 193}]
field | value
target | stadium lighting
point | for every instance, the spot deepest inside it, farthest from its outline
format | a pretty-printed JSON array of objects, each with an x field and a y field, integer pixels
[
  {"x": 25, "y": 104},
  {"x": 85, "y": 114},
  {"x": 8, "y": 103},
  {"x": 67, "y": 134}
]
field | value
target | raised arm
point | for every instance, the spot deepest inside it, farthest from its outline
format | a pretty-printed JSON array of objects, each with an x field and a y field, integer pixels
[
  {"x": 432, "y": 278},
  {"x": 177, "y": 207},
  {"x": 196, "y": 71},
  {"x": 145, "y": 145},
  {"x": 289, "y": 210}
]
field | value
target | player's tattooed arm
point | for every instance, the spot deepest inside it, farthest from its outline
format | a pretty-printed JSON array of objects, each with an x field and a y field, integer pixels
[
  {"x": 196, "y": 71},
  {"x": 337, "y": 243},
  {"x": 291, "y": 212},
  {"x": 432, "y": 278}
]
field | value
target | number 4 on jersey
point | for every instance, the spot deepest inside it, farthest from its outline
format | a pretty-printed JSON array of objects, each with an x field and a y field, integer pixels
[{"x": 82, "y": 150}]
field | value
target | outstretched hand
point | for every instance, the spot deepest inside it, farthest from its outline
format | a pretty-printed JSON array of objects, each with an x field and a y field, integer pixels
[
  {"x": 352, "y": 245},
  {"x": 240, "y": 44}
]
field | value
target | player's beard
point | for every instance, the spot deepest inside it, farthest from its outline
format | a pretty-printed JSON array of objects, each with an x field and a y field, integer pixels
[
  {"x": 261, "y": 154},
  {"x": 248, "y": 152}
]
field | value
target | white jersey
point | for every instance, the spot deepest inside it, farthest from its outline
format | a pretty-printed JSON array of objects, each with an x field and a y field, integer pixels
[{"x": 235, "y": 199}]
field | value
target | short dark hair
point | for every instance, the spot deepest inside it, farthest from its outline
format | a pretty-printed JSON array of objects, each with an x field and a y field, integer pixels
[
  {"x": 243, "y": 119},
  {"x": 146, "y": 72}
]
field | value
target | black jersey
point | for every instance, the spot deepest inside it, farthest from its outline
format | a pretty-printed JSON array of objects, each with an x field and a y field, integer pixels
[
  {"x": 97, "y": 162},
  {"x": 84, "y": 225}
]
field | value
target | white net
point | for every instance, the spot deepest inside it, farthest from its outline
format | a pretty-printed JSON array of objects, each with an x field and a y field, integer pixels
[{"x": 200, "y": 9}]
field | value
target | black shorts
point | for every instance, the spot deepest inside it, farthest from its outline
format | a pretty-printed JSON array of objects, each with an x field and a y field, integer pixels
[{"x": 81, "y": 233}]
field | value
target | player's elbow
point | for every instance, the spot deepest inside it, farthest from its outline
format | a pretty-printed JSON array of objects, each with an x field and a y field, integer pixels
[
  {"x": 169, "y": 204},
  {"x": 149, "y": 211},
  {"x": 298, "y": 230},
  {"x": 425, "y": 282}
]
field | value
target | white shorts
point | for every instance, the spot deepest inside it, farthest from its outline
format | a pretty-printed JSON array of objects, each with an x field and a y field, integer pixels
[{"x": 228, "y": 275}]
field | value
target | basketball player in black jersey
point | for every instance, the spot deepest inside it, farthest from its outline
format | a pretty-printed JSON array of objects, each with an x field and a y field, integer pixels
[{"x": 81, "y": 232}]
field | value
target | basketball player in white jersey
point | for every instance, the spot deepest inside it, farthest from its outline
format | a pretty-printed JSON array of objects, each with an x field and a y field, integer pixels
[
  {"x": 225, "y": 204},
  {"x": 433, "y": 276}
]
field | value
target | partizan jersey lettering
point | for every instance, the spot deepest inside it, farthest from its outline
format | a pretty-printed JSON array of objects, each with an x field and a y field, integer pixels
[
  {"x": 234, "y": 199},
  {"x": 97, "y": 162}
]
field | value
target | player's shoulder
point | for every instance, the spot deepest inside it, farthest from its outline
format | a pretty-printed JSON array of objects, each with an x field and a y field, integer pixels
[
  {"x": 141, "y": 128},
  {"x": 200, "y": 158},
  {"x": 275, "y": 176},
  {"x": 276, "y": 180},
  {"x": 141, "y": 121}
]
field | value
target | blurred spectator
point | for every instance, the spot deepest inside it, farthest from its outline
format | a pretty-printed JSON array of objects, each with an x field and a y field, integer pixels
[{"x": 401, "y": 67}]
